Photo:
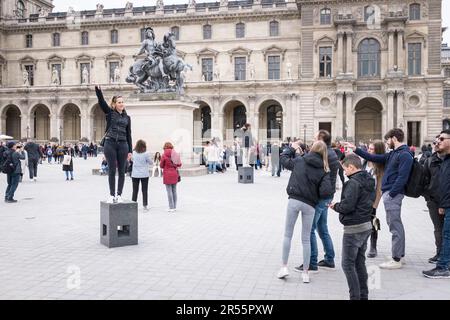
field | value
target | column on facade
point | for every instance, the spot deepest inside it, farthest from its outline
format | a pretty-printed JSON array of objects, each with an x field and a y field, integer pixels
[
  {"x": 400, "y": 108},
  {"x": 2, "y": 124},
  {"x": 400, "y": 51},
  {"x": 339, "y": 114},
  {"x": 253, "y": 117},
  {"x": 24, "y": 124},
  {"x": 350, "y": 116},
  {"x": 294, "y": 117},
  {"x": 85, "y": 122},
  {"x": 390, "y": 110},
  {"x": 391, "y": 50},
  {"x": 349, "y": 56},
  {"x": 340, "y": 56}
]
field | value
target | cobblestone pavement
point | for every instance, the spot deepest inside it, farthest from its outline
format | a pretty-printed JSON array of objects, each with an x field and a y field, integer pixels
[{"x": 224, "y": 242}]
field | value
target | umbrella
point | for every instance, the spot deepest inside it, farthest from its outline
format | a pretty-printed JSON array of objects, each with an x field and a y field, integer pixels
[{"x": 5, "y": 137}]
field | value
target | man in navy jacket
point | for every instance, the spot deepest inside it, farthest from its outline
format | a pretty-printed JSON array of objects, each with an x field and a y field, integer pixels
[
  {"x": 398, "y": 164},
  {"x": 442, "y": 268}
]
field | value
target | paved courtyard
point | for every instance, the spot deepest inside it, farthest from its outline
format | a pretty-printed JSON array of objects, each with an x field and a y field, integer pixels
[{"x": 224, "y": 242}]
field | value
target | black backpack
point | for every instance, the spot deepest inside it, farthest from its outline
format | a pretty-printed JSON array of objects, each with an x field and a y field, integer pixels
[
  {"x": 8, "y": 166},
  {"x": 415, "y": 186}
]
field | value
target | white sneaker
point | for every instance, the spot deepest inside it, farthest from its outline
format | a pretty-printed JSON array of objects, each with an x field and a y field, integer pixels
[
  {"x": 283, "y": 273},
  {"x": 119, "y": 199},
  {"x": 35, "y": 179},
  {"x": 392, "y": 264},
  {"x": 169, "y": 210},
  {"x": 111, "y": 199},
  {"x": 145, "y": 208},
  {"x": 305, "y": 277}
]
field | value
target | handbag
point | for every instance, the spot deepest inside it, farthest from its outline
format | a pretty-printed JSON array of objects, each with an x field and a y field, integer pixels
[
  {"x": 179, "y": 177},
  {"x": 102, "y": 142},
  {"x": 66, "y": 160}
]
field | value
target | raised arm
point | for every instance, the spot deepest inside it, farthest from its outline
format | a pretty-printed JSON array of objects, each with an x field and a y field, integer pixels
[
  {"x": 287, "y": 158},
  {"x": 378, "y": 158},
  {"x": 101, "y": 101}
]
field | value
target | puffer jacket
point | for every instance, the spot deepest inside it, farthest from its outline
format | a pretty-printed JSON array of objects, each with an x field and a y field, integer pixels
[
  {"x": 170, "y": 172},
  {"x": 308, "y": 182},
  {"x": 431, "y": 170},
  {"x": 444, "y": 183},
  {"x": 357, "y": 199}
]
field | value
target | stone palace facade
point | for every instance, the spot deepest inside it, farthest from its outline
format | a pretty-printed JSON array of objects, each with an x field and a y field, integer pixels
[{"x": 289, "y": 68}]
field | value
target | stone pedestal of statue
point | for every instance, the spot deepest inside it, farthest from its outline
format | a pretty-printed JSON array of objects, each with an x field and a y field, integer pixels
[{"x": 157, "y": 118}]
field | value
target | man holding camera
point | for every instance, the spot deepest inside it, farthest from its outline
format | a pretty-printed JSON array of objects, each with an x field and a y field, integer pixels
[{"x": 13, "y": 156}]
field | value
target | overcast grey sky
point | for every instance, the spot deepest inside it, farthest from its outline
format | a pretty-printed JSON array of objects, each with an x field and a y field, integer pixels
[{"x": 78, "y": 5}]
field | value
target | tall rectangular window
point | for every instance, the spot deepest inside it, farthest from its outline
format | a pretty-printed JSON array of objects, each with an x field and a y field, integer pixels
[
  {"x": 114, "y": 36},
  {"x": 207, "y": 69},
  {"x": 29, "y": 41},
  {"x": 142, "y": 34},
  {"x": 30, "y": 70},
  {"x": 239, "y": 68},
  {"x": 274, "y": 67},
  {"x": 414, "y": 133},
  {"x": 240, "y": 30},
  {"x": 325, "y": 60},
  {"x": 274, "y": 28},
  {"x": 414, "y": 11},
  {"x": 84, "y": 38},
  {"x": 446, "y": 98},
  {"x": 56, "y": 39},
  {"x": 176, "y": 32},
  {"x": 207, "y": 31},
  {"x": 447, "y": 72},
  {"x": 414, "y": 58},
  {"x": 112, "y": 71}
]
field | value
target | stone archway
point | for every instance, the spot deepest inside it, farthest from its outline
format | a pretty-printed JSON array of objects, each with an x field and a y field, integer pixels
[
  {"x": 40, "y": 123},
  {"x": 202, "y": 123},
  {"x": 235, "y": 116},
  {"x": 368, "y": 120},
  {"x": 71, "y": 128},
  {"x": 98, "y": 123},
  {"x": 12, "y": 121},
  {"x": 270, "y": 121}
]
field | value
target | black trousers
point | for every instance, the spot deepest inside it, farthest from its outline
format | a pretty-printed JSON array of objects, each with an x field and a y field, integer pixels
[
  {"x": 144, "y": 182},
  {"x": 116, "y": 155},
  {"x": 32, "y": 167},
  {"x": 438, "y": 223}
]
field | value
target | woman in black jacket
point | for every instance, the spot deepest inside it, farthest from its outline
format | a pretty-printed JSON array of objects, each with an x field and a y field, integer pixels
[
  {"x": 310, "y": 181},
  {"x": 118, "y": 144}
]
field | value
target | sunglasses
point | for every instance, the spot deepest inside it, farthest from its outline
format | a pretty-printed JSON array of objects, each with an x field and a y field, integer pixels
[{"x": 441, "y": 139}]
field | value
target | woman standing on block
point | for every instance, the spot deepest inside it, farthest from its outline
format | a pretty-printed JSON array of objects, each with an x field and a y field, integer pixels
[
  {"x": 117, "y": 142},
  {"x": 170, "y": 162}
]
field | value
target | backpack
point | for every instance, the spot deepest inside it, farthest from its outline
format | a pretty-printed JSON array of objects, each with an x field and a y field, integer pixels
[
  {"x": 415, "y": 186},
  {"x": 8, "y": 166},
  {"x": 49, "y": 152}
]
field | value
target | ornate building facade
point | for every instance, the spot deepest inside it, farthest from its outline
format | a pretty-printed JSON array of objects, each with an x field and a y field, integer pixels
[{"x": 353, "y": 67}]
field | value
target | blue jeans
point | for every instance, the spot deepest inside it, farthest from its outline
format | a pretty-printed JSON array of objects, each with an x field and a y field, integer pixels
[
  {"x": 320, "y": 223},
  {"x": 212, "y": 166},
  {"x": 444, "y": 258},
  {"x": 67, "y": 174},
  {"x": 13, "y": 183}
]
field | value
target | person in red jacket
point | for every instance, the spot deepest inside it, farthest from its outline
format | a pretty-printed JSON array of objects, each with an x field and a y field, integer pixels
[{"x": 170, "y": 162}]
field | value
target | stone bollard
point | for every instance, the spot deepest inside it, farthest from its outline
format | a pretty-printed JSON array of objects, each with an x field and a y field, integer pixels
[
  {"x": 245, "y": 175},
  {"x": 118, "y": 224}
]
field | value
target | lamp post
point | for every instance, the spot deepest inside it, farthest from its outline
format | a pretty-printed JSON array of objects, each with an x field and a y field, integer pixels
[
  {"x": 304, "y": 133},
  {"x": 60, "y": 134},
  {"x": 28, "y": 132}
]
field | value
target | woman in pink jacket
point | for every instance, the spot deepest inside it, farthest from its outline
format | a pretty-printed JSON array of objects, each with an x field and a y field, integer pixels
[{"x": 170, "y": 162}]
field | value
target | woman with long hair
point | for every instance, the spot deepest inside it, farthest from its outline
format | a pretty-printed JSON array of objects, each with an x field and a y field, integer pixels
[
  {"x": 117, "y": 142},
  {"x": 309, "y": 182},
  {"x": 377, "y": 172},
  {"x": 140, "y": 172},
  {"x": 156, "y": 162},
  {"x": 170, "y": 162}
]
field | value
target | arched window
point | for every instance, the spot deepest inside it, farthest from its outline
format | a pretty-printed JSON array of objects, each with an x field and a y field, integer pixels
[
  {"x": 369, "y": 58},
  {"x": 56, "y": 39},
  {"x": 239, "y": 116},
  {"x": 325, "y": 16},
  {"x": 114, "y": 36},
  {"x": 20, "y": 9},
  {"x": 414, "y": 11},
  {"x": 274, "y": 122},
  {"x": 207, "y": 31},
  {"x": 176, "y": 32},
  {"x": 274, "y": 28},
  {"x": 206, "y": 121},
  {"x": 240, "y": 30},
  {"x": 85, "y": 38}
]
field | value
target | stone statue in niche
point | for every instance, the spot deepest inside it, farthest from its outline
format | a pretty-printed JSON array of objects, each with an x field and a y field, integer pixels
[
  {"x": 55, "y": 76},
  {"x": 289, "y": 70},
  {"x": 216, "y": 71},
  {"x": 25, "y": 78},
  {"x": 252, "y": 71},
  {"x": 116, "y": 77},
  {"x": 99, "y": 8},
  {"x": 159, "y": 5},
  {"x": 85, "y": 76},
  {"x": 129, "y": 6}
]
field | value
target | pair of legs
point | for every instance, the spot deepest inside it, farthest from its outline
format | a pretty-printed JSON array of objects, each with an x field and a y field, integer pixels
[
  {"x": 321, "y": 224},
  {"x": 116, "y": 155},
  {"x": 374, "y": 235},
  {"x": 444, "y": 257},
  {"x": 32, "y": 167},
  {"x": 276, "y": 168},
  {"x": 212, "y": 166},
  {"x": 172, "y": 195},
  {"x": 156, "y": 168},
  {"x": 13, "y": 182},
  {"x": 393, "y": 207},
  {"x": 67, "y": 175},
  {"x": 354, "y": 264},
  {"x": 438, "y": 223},
  {"x": 293, "y": 209},
  {"x": 144, "y": 182}
]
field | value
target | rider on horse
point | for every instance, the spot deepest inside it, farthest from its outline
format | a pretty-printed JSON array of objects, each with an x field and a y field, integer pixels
[{"x": 153, "y": 50}]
